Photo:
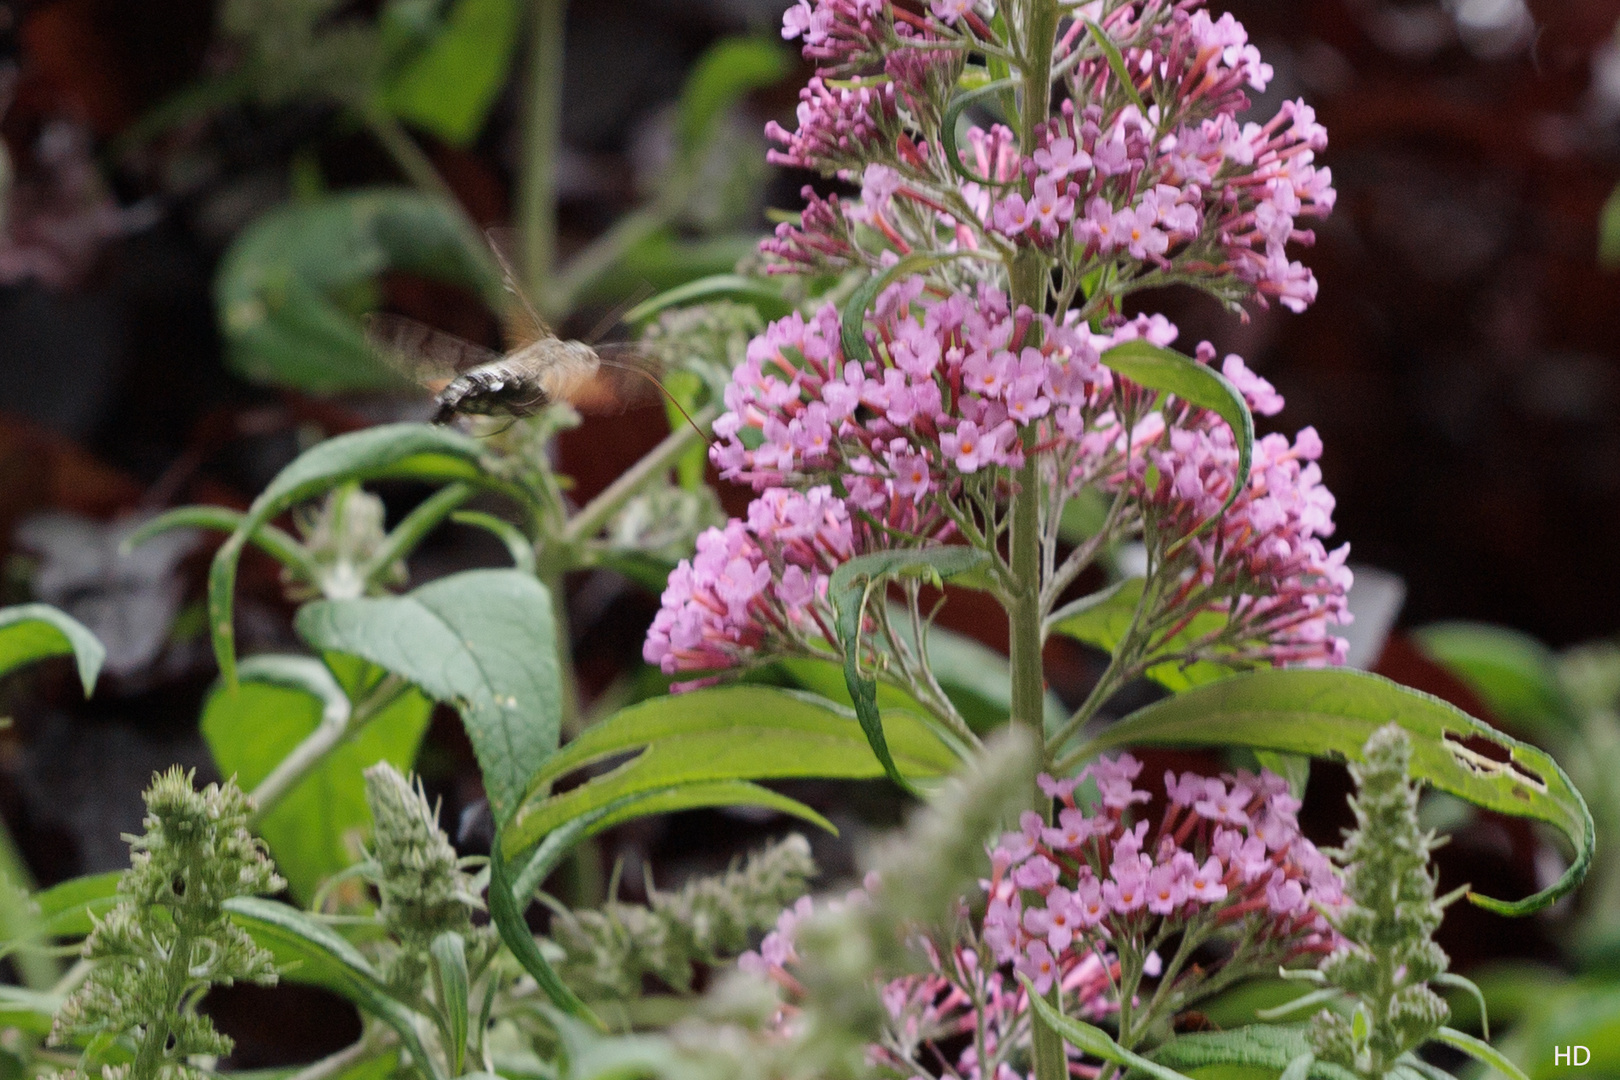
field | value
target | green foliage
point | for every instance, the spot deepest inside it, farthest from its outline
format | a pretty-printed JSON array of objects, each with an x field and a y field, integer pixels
[
  {"x": 449, "y": 87},
  {"x": 169, "y": 939},
  {"x": 1106, "y": 618},
  {"x": 483, "y": 640},
  {"x": 426, "y": 900},
  {"x": 1514, "y": 674},
  {"x": 292, "y": 287},
  {"x": 706, "y": 921},
  {"x": 314, "y": 826},
  {"x": 1389, "y": 956},
  {"x": 707, "y": 740},
  {"x": 31, "y": 632},
  {"x": 1331, "y": 713},
  {"x": 1197, "y": 384}
]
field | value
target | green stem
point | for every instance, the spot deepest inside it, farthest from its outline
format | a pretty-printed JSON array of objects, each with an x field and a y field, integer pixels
[
  {"x": 594, "y": 516},
  {"x": 154, "y": 1042},
  {"x": 568, "y": 690},
  {"x": 542, "y": 138},
  {"x": 1037, "y": 25},
  {"x": 336, "y": 726}
]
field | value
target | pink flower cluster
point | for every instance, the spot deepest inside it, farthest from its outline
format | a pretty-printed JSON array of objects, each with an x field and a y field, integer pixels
[
  {"x": 1176, "y": 186},
  {"x": 1226, "y": 853},
  {"x": 1265, "y": 554},
  {"x": 755, "y": 585},
  {"x": 944, "y": 395},
  {"x": 1067, "y": 902},
  {"x": 959, "y": 998}
]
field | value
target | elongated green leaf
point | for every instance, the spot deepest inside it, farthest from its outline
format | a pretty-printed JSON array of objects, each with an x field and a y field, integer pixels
[
  {"x": 727, "y": 70},
  {"x": 1609, "y": 230},
  {"x": 1166, "y": 370},
  {"x": 1480, "y": 1050},
  {"x": 307, "y": 951},
  {"x": 483, "y": 641},
  {"x": 1331, "y": 713},
  {"x": 1276, "y": 1047},
  {"x": 1094, "y": 1040},
  {"x": 314, "y": 828},
  {"x": 517, "y": 545},
  {"x": 1104, "y": 618},
  {"x": 700, "y": 796},
  {"x": 1514, "y": 674},
  {"x": 66, "y": 909},
  {"x": 765, "y": 297},
  {"x": 449, "y": 88},
  {"x": 506, "y": 912},
  {"x": 952, "y": 117},
  {"x": 30, "y": 632},
  {"x": 279, "y": 286},
  {"x": 859, "y": 582},
  {"x": 718, "y": 736},
  {"x": 853, "y": 320},
  {"x": 449, "y": 953},
  {"x": 274, "y": 542},
  {"x": 1116, "y": 64},
  {"x": 414, "y": 451},
  {"x": 28, "y": 1010}
]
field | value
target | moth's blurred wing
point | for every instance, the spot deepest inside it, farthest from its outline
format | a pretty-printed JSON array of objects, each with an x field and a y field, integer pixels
[
  {"x": 421, "y": 354},
  {"x": 626, "y": 378},
  {"x": 522, "y": 320}
]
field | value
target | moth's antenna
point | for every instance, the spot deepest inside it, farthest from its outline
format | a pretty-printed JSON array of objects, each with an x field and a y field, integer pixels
[{"x": 662, "y": 389}]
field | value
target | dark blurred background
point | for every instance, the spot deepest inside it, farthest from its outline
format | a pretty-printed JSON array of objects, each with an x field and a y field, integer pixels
[{"x": 1462, "y": 363}]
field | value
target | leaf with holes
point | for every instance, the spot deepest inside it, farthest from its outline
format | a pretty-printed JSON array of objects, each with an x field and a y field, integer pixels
[
  {"x": 483, "y": 641},
  {"x": 1515, "y": 675},
  {"x": 1331, "y": 713}
]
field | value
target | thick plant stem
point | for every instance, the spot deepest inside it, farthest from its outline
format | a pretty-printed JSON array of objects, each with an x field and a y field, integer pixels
[
  {"x": 1038, "y": 22},
  {"x": 542, "y": 136}
]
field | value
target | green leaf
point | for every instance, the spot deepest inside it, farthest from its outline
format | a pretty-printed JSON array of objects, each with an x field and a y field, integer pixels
[
  {"x": 1116, "y": 64},
  {"x": 1274, "y": 1047},
  {"x": 414, "y": 451},
  {"x": 67, "y": 909},
  {"x": 276, "y": 543},
  {"x": 763, "y": 295},
  {"x": 1480, "y": 1050},
  {"x": 1104, "y": 618},
  {"x": 449, "y": 953},
  {"x": 726, "y": 71},
  {"x": 1515, "y": 675},
  {"x": 952, "y": 119},
  {"x": 1169, "y": 372},
  {"x": 279, "y": 288},
  {"x": 1331, "y": 713},
  {"x": 1094, "y": 1040},
  {"x": 30, "y": 632},
  {"x": 517, "y": 544},
  {"x": 483, "y": 641},
  {"x": 307, "y": 951},
  {"x": 852, "y": 333},
  {"x": 506, "y": 912},
  {"x": 449, "y": 88},
  {"x": 1609, "y": 231},
  {"x": 702, "y": 796},
  {"x": 32, "y": 1011},
  {"x": 314, "y": 828},
  {"x": 717, "y": 736},
  {"x": 852, "y": 586}
]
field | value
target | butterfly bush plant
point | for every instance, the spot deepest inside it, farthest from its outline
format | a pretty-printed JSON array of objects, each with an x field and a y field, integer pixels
[
  {"x": 996, "y": 377},
  {"x": 940, "y": 382}
]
